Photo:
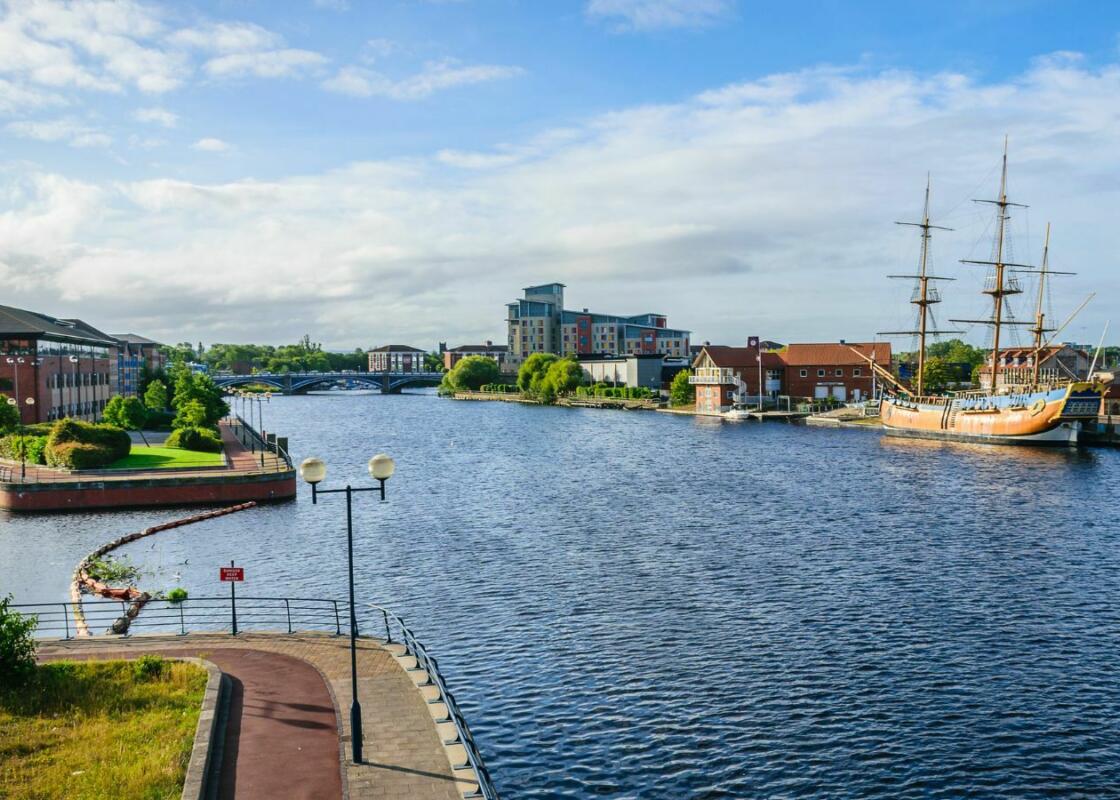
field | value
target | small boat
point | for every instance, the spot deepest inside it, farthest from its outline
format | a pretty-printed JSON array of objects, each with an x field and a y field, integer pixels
[{"x": 738, "y": 411}]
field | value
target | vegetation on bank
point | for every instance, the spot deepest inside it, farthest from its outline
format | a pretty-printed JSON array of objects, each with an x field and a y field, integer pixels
[
  {"x": 543, "y": 377},
  {"x": 303, "y": 356},
  {"x": 681, "y": 392},
  {"x": 155, "y": 457},
  {"x": 470, "y": 374}
]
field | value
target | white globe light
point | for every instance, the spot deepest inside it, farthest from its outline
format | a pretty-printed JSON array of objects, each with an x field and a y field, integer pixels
[
  {"x": 30, "y": 401},
  {"x": 12, "y": 401},
  {"x": 381, "y": 467},
  {"x": 313, "y": 470}
]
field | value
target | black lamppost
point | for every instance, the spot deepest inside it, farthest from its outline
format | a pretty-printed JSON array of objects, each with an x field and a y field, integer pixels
[
  {"x": 381, "y": 468},
  {"x": 78, "y": 383}
]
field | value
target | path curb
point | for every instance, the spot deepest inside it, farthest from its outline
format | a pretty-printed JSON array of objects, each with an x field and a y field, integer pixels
[{"x": 202, "y": 771}]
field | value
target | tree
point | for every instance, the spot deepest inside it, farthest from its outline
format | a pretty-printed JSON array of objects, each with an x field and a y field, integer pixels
[
  {"x": 9, "y": 415},
  {"x": 127, "y": 413},
  {"x": 681, "y": 392},
  {"x": 155, "y": 399},
  {"x": 17, "y": 645},
  {"x": 562, "y": 377},
  {"x": 533, "y": 370},
  {"x": 938, "y": 374},
  {"x": 191, "y": 414},
  {"x": 471, "y": 373},
  {"x": 433, "y": 362}
]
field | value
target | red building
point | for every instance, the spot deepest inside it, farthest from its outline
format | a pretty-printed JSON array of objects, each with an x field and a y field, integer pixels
[
  {"x": 833, "y": 370},
  {"x": 55, "y": 368},
  {"x": 725, "y": 375}
]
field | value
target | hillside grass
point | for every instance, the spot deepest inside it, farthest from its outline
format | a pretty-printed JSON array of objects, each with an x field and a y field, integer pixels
[{"x": 97, "y": 729}]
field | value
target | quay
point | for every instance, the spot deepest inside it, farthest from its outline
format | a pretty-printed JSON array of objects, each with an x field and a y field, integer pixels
[
  {"x": 281, "y": 731},
  {"x": 257, "y": 468}
]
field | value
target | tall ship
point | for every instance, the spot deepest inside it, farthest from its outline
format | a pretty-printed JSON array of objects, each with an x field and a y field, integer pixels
[{"x": 1018, "y": 405}]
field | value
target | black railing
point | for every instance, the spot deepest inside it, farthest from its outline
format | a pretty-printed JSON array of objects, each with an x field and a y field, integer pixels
[
  {"x": 428, "y": 663},
  {"x": 247, "y": 434}
]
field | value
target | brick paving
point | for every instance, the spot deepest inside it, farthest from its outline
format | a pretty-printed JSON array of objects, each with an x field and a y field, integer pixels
[{"x": 404, "y": 759}]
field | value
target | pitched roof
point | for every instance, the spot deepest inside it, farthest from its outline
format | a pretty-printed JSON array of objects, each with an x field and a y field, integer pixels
[
  {"x": 836, "y": 353},
  {"x": 395, "y": 348},
  {"x": 739, "y": 357},
  {"x": 479, "y": 348},
  {"x": 20, "y": 322},
  {"x": 132, "y": 338}
]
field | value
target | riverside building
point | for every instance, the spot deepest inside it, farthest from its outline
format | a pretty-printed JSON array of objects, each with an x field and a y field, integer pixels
[
  {"x": 55, "y": 368},
  {"x": 539, "y": 323}
]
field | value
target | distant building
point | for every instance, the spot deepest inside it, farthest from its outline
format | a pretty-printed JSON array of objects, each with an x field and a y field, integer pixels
[
  {"x": 833, "y": 370},
  {"x": 498, "y": 352},
  {"x": 396, "y": 358},
  {"x": 539, "y": 323},
  {"x": 646, "y": 370},
  {"x": 63, "y": 366},
  {"x": 1056, "y": 363},
  {"x": 135, "y": 355},
  {"x": 723, "y": 376}
]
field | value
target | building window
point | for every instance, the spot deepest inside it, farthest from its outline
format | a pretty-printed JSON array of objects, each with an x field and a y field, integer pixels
[
  {"x": 804, "y": 373},
  {"x": 856, "y": 372},
  {"x": 820, "y": 373},
  {"x": 839, "y": 373}
]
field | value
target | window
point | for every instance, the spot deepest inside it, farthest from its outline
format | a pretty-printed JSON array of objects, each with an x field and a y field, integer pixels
[
  {"x": 839, "y": 373},
  {"x": 804, "y": 373},
  {"x": 820, "y": 373},
  {"x": 856, "y": 372}
]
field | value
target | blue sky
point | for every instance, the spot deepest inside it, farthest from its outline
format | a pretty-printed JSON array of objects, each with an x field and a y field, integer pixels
[{"x": 249, "y": 171}]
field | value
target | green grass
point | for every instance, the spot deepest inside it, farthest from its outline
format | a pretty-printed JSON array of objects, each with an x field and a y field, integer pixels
[
  {"x": 144, "y": 457},
  {"x": 97, "y": 729}
]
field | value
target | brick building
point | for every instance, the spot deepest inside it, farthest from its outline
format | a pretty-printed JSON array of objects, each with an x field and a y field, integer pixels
[
  {"x": 723, "y": 376},
  {"x": 1056, "y": 363},
  {"x": 64, "y": 367},
  {"x": 396, "y": 358},
  {"x": 498, "y": 352},
  {"x": 833, "y": 370}
]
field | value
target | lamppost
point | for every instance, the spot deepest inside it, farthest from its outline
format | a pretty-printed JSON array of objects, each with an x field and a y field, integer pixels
[
  {"x": 78, "y": 383},
  {"x": 314, "y": 470},
  {"x": 30, "y": 403}
]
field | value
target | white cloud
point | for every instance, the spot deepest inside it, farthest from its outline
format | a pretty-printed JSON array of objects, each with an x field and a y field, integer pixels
[
  {"x": 435, "y": 76},
  {"x": 72, "y": 131},
  {"x": 227, "y": 37},
  {"x": 210, "y": 145},
  {"x": 267, "y": 64},
  {"x": 761, "y": 207},
  {"x": 156, "y": 116},
  {"x": 644, "y": 15},
  {"x": 16, "y": 98}
]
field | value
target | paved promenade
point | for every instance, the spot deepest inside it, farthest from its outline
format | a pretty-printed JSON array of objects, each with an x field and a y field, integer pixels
[{"x": 282, "y": 709}]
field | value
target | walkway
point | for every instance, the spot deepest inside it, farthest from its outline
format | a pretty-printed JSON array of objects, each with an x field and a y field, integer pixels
[{"x": 283, "y": 732}]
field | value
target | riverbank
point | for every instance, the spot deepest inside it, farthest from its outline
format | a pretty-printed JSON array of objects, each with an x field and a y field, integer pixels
[{"x": 262, "y": 476}]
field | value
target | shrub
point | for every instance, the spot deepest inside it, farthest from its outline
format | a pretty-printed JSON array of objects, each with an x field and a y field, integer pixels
[
  {"x": 202, "y": 440},
  {"x": 114, "y": 439},
  {"x": 16, "y": 447},
  {"x": 177, "y": 595},
  {"x": 17, "y": 645},
  {"x": 110, "y": 570},
  {"x": 159, "y": 420},
  {"x": 78, "y": 455},
  {"x": 149, "y": 667},
  {"x": 9, "y": 414},
  {"x": 471, "y": 372}
]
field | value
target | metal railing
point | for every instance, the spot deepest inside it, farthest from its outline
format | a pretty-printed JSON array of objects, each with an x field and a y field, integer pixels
[
  {"x": 246, "y": 432},
  {"x": 202, "y": 614},
  {"x": 429, "y": 664}
]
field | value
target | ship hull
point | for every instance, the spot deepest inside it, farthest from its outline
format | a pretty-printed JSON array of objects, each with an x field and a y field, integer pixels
[{"x": 1047, "y": 417}]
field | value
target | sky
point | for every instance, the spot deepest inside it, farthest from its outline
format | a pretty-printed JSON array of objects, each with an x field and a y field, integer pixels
[{"x": 395, "y": 171}]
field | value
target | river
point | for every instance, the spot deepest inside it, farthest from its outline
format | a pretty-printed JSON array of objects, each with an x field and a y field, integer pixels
[{"x": 641, "y": 605}]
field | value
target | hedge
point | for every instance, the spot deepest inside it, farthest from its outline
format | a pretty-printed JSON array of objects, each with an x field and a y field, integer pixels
[
  {"x": 115, "y": 440},
  {"x": 79, "y": 455},
  {"x": 619, "y": 392},
  {"x": 35, "y": 448},
  {"x": 201, "y": 440},
  {"x": 503, "y": 388}
]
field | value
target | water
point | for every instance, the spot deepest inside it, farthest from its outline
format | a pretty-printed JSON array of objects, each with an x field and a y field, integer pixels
[{"x": 638, "y": 605}]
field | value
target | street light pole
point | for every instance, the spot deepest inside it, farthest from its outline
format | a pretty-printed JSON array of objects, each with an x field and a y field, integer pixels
[{"x": 314, "y": 470}]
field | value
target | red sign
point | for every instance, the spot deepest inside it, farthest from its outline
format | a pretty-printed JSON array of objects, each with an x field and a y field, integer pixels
[{"x": 233, "y": 573}]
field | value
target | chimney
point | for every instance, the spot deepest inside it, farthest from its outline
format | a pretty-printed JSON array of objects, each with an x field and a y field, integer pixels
[
  {"x": 585, "y": 311},
  {"x": 842, "y": 342},
  {"x": 489, "y": 343},
  {"x": 442, "y": 347}
]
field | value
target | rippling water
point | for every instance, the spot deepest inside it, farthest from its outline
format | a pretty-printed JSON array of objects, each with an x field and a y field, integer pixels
[{"x": 638, "y": 605}]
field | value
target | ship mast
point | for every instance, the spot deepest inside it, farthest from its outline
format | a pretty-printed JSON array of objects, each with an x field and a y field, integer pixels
[
  {"x": 1039, "y": 315},
  {"x": 998, "y": 288},
  {"x": 924, "y": 295}
]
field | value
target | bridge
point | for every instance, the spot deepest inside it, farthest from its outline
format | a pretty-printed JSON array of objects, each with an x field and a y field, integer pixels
[{"x": 302, "y": 382}]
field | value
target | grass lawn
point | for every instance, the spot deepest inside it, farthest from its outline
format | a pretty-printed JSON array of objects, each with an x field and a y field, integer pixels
[
  {"x": 94, "y": 729},
  {"x": 144, "y": 457}
]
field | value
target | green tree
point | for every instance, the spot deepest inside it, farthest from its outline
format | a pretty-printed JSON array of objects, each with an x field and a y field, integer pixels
[
  {"x": 191, "y": 414},
  {"x": 17, "y": 645},
  {"x": 9, "y": 414},
  {"x": 125, "y": 412},
  {"x": 938, "y": 374},
  {"x": 470, "y": 373},
  {"x": 433, "y": 362},
  {"x": 681, "y": 392},
  {"x": 562, "y": 377},
  {"x": 155, "y": 398},
  {"x": 532, "y": 372}
]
